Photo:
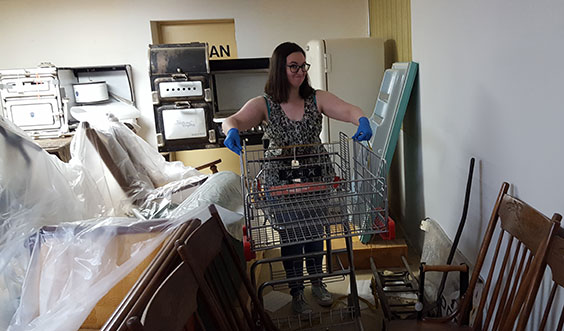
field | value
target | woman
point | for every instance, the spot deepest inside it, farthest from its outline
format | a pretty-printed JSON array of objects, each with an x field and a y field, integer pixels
[{"x": 291, "y": 113}]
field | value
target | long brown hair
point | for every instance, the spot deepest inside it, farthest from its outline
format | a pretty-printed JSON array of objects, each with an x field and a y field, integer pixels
[{"x": 277, "y": 85}]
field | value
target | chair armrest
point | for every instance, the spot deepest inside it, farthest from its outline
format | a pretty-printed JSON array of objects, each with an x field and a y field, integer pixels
[
  {"x": 444, "y": 268},
  {"x": 175, "y": 187},
  {"x": 442, "y": 319},
  {"x": 423, "y": 268},
  {"x": 212, "y": 165}
]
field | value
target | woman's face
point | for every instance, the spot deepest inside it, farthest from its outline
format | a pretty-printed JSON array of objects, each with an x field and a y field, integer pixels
[{"x": 296, "y": 79}]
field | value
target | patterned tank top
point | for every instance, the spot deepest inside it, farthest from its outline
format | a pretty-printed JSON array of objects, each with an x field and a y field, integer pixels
[{"x": 283, "y": 132}]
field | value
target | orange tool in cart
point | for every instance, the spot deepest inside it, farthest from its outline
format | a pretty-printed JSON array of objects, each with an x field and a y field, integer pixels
[
  {"x": 307, "y": 193},
  {"x": 391, "y": 234}
]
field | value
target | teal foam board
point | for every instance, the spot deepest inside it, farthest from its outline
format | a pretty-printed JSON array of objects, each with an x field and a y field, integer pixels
[{"x": 396, "y": 126}]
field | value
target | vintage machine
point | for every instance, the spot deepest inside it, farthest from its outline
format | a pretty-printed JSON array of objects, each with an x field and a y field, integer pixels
[
  {"x": 234, "y": 82},
  {"x": 95, "y": 91},
  {"x": 48, "y": 101},
  {"x": 193, "y": 95},
  {"x": 182, "y": 104},
  {"x": 34, "y": 100}
]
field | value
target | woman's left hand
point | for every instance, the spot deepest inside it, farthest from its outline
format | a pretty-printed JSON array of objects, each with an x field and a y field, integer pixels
[{"x": 364, "y": 131}]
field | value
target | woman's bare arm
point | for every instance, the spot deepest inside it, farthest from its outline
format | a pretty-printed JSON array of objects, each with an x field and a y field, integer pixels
[
  {"x": 336, "y": 108},
  {"x": 250, "y": 115}
]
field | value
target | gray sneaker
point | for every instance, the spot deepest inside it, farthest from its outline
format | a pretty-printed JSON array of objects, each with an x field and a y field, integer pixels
[
  {"x": 299, "y": 305},
  {"x": 321, "y": 295}
]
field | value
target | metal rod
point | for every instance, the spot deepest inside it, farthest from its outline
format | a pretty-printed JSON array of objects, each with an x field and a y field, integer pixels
[
  {"x": 458, "y": 232},
  {"x": 352, "y": 278}
]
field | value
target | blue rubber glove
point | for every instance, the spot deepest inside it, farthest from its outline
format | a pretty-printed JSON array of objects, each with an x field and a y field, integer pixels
[
  {"x": 364, "y": 131},
  {"x": 233, "y": 142}
]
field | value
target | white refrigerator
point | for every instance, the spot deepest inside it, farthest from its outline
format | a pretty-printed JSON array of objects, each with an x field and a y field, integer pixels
[{"x": 352, "y": 69}]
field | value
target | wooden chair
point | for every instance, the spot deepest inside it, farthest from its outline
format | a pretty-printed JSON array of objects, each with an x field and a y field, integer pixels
[
  {"x": 173, "y": 304},
  {"x": 220, "y": 273},
  {"x": 166, "y": 260},
  {"x": 518, "y": 257},
  {"x": 204, "y": 291},
  {"x": 551, "y": 312}
]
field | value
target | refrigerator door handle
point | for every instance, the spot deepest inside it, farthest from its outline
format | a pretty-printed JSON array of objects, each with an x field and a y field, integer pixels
[{"x": 327, "y": 62}]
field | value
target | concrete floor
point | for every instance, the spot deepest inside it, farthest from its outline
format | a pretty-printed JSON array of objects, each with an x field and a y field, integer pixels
[{"x": 277, "y": 303}]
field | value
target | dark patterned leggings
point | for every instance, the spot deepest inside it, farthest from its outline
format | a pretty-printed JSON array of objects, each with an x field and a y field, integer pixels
[{"x": 294, "y": 267}]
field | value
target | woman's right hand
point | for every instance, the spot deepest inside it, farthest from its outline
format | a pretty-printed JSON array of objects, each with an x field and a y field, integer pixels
[
  {"x": 250, "y": 115},
  {"x": 233, "y": 141}
]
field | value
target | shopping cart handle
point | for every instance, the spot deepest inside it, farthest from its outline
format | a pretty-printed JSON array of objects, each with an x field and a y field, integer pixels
[{"x": 297, "y": 188}]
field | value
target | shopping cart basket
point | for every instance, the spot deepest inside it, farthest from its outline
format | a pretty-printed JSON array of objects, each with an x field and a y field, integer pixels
[
  {"x": 316, "y": 194},
  {"x": 306, "y": 193}
]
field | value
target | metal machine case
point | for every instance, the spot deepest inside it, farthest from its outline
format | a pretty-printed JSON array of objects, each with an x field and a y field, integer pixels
[
  {"x": 183, "y": 73},
  {"x": 181, "y": 122},
  {"x": 32, "y": 99},
  {"x": 180, "y": 85}
]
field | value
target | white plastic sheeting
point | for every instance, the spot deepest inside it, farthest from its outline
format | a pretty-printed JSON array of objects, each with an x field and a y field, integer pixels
[
  {"x": 59, "y": 222},
  {"x": 153, "y": 184}
]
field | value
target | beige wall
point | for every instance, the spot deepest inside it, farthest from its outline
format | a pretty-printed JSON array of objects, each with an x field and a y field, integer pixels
[
  {"x": 79, "y": 33},
  {"x": 391, "y": 21},
  {"x": 490, "y": 88}
]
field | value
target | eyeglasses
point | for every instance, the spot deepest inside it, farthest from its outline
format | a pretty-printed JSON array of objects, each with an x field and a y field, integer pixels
[{"x": 294, "y": 67}]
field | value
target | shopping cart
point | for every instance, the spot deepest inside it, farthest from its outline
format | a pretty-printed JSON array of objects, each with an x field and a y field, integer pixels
[{"x": 306, "y": 193}]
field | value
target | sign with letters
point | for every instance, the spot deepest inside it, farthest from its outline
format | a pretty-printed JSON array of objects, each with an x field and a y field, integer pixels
[{"x": 219, "y": 34}]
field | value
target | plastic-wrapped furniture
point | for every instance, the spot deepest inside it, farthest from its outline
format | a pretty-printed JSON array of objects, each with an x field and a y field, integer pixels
[
  {"x": 145, "y": 184},
  {"x": 523, "y": 235},
  {"x": 67, "y": 254}
]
